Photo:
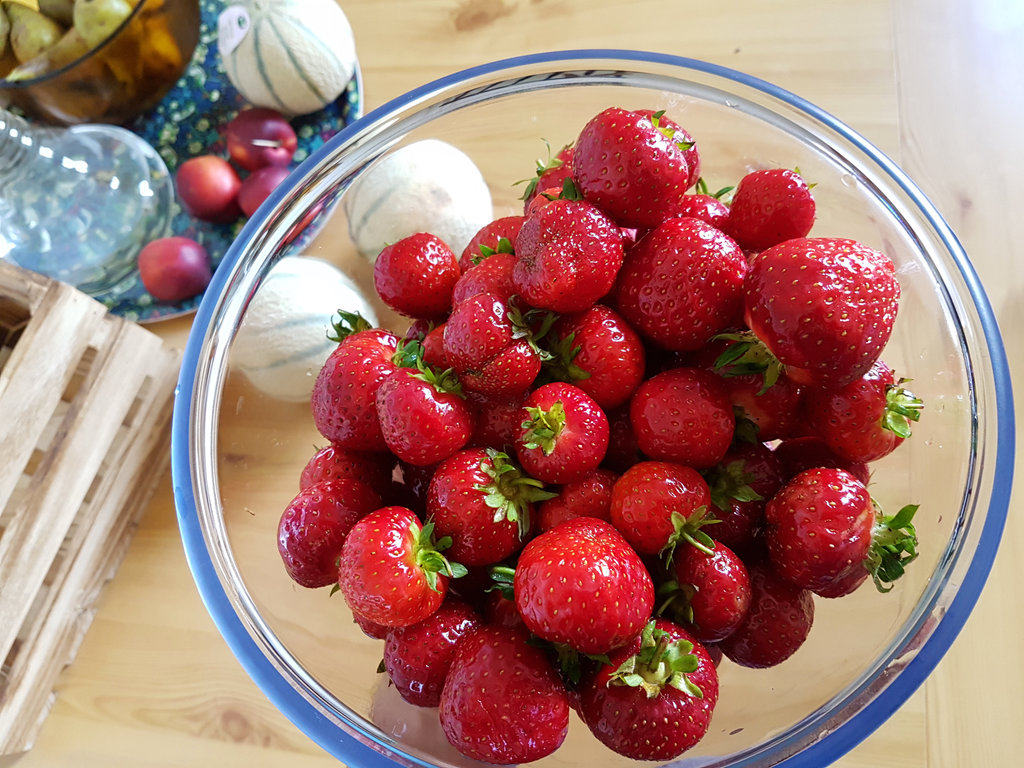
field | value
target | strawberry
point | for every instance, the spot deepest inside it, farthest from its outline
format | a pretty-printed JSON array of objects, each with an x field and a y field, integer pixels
[
  {"x": 492, "y": 275},
  {"x": 569, "y": 253},
  {"x": 710, "y": 594},
  {"x": 369, "y": 628},
  {"x": 551, "y": 174},
  {"x": 867, "y": 418},
  {"x": 824, "y": 307},
  {"x": 682, "y": 283},
  {"x": 799, "y": 453},
  {"x": 590, "y": 496},
  {"x": 683, "y": 415},
  {"x": 636, "y": 165},
  {"x": 432, "y": 349},
  {"x": 704, "y": 206},
  {"x": 415, "y": 276},
  {"x": 391, "y": 570},
  {"x": 497, "y": 423},
  {"x": 654, "y": 699},
  {"x": 564, "y": 433},
  {"x": 658, "y": 504},
  {"x": 623, "y": 449},
  {"x": 483, "y": 502},
  {"x": 768, "y": 207},
  {"x": 346, "y": 387},
  {"x": 503, "y": 701},
  {"x": 423, "y": 415},
  {"x": 776, "y": 625},
  {"x": 582, "y": 585},
  {"x": 332, "y": 462},
  {"x": 491, "y": 347},
  {"x": 314, "y": 525},
  {"x": 417, "y": 657},
  {"x": 741, "y": 484},
  {"x": 599, "y": 352},
  {"x": 497, "y": 236},
  {"x": 825, "y": 534}
]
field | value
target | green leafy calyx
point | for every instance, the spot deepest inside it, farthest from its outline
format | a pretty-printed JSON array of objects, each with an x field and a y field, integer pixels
[
  {"x": 893, "y": 547},
  {"x": 747, "y": 355},
  {"x": 344, "y": 324},
  {"x": 661, "y": 661},
  {"x": 508, "y": 491},
  {"x": 901, "y": 407},
  {"x": 427, "y": 554}
]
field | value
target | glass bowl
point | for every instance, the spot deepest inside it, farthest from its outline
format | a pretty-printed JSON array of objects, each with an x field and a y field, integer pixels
[
  {"x": 237, "y": 453},
  {"x": 122, "y": 77}
]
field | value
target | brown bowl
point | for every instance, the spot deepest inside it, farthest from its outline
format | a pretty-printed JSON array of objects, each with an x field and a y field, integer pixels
[{"x": 127, "y": 74}]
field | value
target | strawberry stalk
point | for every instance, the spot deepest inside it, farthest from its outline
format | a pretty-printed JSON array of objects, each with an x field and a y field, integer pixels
[
  {"x": 543, "y": 166},
  {"x": 893, "y": 547},
  {"x": 688, "y": 529},
  {"x": 532, "y": 325},
  {"x": 427, "y": 555},
  {"x": 410, "y": 355},
  {"x": 510, "y": 492},
  {"x": 659, "y": 662},
  {"x": 748, "y": 355},
  {"x": 730, "y": 482},
  {"x": 901, "y": 407},
  {"x": 346, "y": 324},
  {"x": 561, "y": 366}
]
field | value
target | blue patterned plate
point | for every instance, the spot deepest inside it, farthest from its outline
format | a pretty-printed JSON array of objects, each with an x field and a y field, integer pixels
[{"x": 190, "y": 121}]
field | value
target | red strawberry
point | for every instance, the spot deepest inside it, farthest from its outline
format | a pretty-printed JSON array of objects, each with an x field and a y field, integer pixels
[
  {"x": 711, "y": 591},
  {"x": 581, "y": 584},
  {"x": 799, "y": 453},
  {"x": 490, "y": 346},
  {"x": 590, "y": 496},
  {"x": 391, "y": 570},
  {"x": 658, "y": 504},
  {"x": 371, "y": 628},
  {"x": 741, "y": 484},
  {"x": 551, "y": 174},
  {"x": 332, "y": 462},
  {"x": 569, "y": 253},
  {"x": 825, "y": 307},
  {"x": 314, "y": 525},
  {"x": 492, "y": 275},
  {"x": 768, "y": 207},
  {"x": 777, "y": 623},
  {"x": 503, "y": 701},
  {"x": 599, "y": 352},
  {"x": 433, "y": 349},
  {"x": 637, "y": 166},
  {"x": 825, "y": 534},
  {"x": 417, "y": 658},
  {"x": 655, "y": 697},
  {"x": 494, "y": 237},
  {"x": 483, "y": 502},
  {"x": 682, "y": 283},
  {"x": 346, "y": 387},
  {"x": 498, "y": 421},
  {"x": 865, "y": 419},
  {"x": 415, "y": 276},
  {"x": 683, "y": 415},
  {"x": 623, "y": 449},
  {"x": 564, "y": 434},
  {"x": 423, "y": 416},
  {"x": 707, "y": 208}
]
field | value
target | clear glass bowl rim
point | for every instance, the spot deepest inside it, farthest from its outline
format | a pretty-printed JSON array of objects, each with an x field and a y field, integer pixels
[{"x": 359, "y": 754}]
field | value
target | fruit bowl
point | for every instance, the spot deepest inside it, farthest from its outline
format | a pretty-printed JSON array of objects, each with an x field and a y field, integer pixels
[{"x": 238, "y": 453}]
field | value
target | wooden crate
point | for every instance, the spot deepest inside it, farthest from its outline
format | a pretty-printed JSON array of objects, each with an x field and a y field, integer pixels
[{"x": 85, "y": 404}]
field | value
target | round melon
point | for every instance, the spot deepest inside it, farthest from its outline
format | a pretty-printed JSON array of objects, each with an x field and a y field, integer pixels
[{"x": 295, "y": 56}]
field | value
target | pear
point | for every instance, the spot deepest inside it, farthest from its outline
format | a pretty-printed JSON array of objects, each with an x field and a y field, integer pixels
[
  {"x": 5, "y": 31},
  {"x": 58, "y": 10},
  {"x": 31, "y": 32},
  {"x": 96, "y": 20},
  {"x": 70, "y": 47}
]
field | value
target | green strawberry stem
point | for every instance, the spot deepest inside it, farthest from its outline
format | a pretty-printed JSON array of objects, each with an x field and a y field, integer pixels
[
  {"x": 748, "y": 355},
  {"x": 346, "y": 324},
  {"x": 676, "y": 601},
  {"x": 503, "y": 577},
  {"x": 901, "y": 407},
  {"x": 509, "y": 492},
  {"x": 668, "y": 131},
  {"x": 701, "y": 188},
  {"x": 561, "y": 365},
  {"x": 525, "y": 325},
  {"x": 543, "y": 166},
  {"x": 427, "y": 554},
  {"x": 409, "y": 354},
  {"x": 504, "y": 246},
  {"x": 660, "y": 661},
  {"x": 544, "y": 427},
  {"x": 730, "y": 482},
  {"x": 893, "y": 547},
  {"x": 688, "y": 529}
]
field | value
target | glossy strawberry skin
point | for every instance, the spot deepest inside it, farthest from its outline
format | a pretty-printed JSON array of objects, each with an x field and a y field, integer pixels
[
  {"x": 489, "y": 236},
  {"x": 497, "y": 676},
  {"x": 646, "y": 495},
  {"x": 799, "y": 453},
  {"x": 769, "y": 207},
  {"x": 492, "y": 275},
  {"x": 745, "y": 466},
  {"x": 315, "y": 524},
  {"x": 719, "y": 585},
  {"x": 569, "y": 254},
  {"x": 825, "y": 307},
  {"x": 343, "y": 398},
  {"x": 629, "y": 167},
  {"x": 610, "y": 361},
  {"x": 421, "y": 424},
  {"x": 581, "y": 440},
  {"x": 706, "y": 208},
  {"x": 681, "y": 284},
  {"x": 818, "y": 530},
  {"x": 332, "y": 462},
  {"x": 583, "y": 585},
  {"x": 590, "y": 496},
  {"x": 417, "y": 658},
  {"x": 415, "y": 276},
  {"x": 497, "y": 421},
  {"x": 479, "y": 343},
  {"x": 378, "y": 573},
  {"x": 551, "y": 175},
  {"x": 776, "y": 625},
  {"x": 683, "y": 415},
  {"x": 661, "y": 728}
]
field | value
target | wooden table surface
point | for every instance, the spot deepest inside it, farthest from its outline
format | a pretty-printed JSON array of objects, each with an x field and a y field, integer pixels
[{"x": 934, "y": 83}]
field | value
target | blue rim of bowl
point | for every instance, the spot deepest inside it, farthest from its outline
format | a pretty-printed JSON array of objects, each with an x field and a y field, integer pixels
[{"x": 839, "y": 741}]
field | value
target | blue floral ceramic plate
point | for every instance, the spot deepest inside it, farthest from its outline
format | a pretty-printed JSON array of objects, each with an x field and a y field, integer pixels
[{"x": 190, "y": 121}]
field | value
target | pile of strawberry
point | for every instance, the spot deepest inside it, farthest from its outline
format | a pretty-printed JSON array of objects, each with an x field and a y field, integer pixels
[{"x": 627, "y": 433}]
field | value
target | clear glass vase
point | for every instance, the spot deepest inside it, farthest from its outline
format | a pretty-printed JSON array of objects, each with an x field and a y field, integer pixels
[{"x": 78, "y": 204}]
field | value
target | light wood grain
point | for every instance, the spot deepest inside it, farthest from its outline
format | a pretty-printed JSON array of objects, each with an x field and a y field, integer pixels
[{"x": 935, "y": 83}]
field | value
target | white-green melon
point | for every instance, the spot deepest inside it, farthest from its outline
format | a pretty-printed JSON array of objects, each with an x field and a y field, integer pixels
[
  {"x": 295, "y": 56},
  {"x": 282, "y": 342},
  {"x": 427, "y": 186}
]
